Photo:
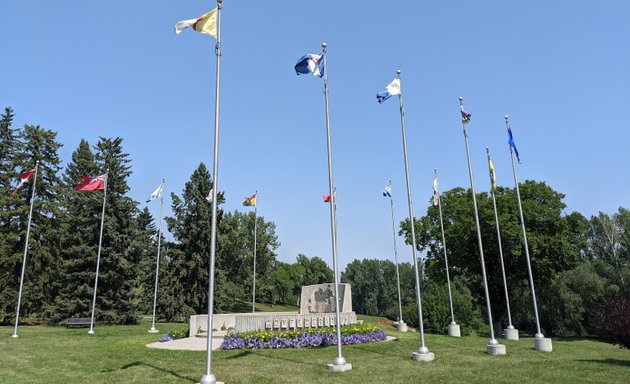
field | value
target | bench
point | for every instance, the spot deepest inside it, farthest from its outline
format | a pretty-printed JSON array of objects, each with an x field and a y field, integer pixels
[{"x": 78, "y": 321}]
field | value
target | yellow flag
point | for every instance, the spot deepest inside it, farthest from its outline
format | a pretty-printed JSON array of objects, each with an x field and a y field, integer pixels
[
  {"x": 206, "y": 24},
  {"x": 493, "y": 176}
]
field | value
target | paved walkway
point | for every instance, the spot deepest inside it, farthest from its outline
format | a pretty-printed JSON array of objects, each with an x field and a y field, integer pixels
[{"x": 195, "y": 343}]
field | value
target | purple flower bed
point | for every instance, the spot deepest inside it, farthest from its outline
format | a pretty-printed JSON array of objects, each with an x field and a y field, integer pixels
[{"x": 305, "y": 339}]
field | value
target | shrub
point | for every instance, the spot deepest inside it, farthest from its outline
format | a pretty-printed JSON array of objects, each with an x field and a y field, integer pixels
[
  {"x": 612, "y": 321},
  {"x": 436, "y": 312}
]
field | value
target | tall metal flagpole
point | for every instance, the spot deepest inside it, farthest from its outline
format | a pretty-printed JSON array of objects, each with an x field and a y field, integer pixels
[
  {"x": 98, "y": 256},
  {"x": 255, "y": 232},
  {"x": 340, "y": 363},
  {"x": 208, "y": 377},
  {"x": 28, "y": 232},
  {"x": 493, "y": 347},
  {"x": 510, "y": 332},
  {"x": 157, "y": 262},
  {"x": 402, "y": 327},
  {"x": 423, "y": 353},
  {"x": 540, "y": 342},
  {"x": 453, "y": 327}
]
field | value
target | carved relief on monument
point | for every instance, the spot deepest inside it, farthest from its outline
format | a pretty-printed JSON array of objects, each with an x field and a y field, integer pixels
[{"x": 322, "y": 300}]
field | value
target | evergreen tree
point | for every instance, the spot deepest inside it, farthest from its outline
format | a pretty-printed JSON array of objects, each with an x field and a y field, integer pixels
[
  {"x": 121, "y": 246},
  {"x": 79, "y": 240},
  {"x": 191, "y": 226},
  {"x": 10, "y": 257}
]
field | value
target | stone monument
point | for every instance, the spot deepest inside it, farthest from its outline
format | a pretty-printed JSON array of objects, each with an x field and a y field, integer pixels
[{"x": 317, "y": 310}]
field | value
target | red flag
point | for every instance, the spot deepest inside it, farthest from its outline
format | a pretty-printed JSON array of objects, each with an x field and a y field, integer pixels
[
  {"x": 326, "y": 198},
  {"x": 91, "y": 183},
  {"x": 24, "y": 176}
]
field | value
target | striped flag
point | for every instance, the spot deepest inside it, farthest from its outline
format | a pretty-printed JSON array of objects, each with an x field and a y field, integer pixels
[{"x": 24, "y": 176}]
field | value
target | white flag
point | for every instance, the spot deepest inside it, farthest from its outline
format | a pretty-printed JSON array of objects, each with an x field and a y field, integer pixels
[
  {"x": 157, "y": 193},
  {"x": 209, "y": 197}
]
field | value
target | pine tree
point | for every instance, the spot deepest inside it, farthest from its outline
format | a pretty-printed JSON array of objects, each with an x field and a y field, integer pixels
[
  {"x": 79, "y": 233},
  {"x": 190, "y": 226},
  {"x": 40, "y": 145},
  {"x": 10, "y": 256},
  {"x": 121, "y": 247}
]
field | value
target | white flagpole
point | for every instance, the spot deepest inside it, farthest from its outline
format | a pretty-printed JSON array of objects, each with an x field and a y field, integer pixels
[
  {"x": 28, "y": 232},
  {"x": 340, "y": 363},
  {"x": 402, "y": 327},
  {"x": 541, "y": 343},
  {"x": 423, "y": 353},
  {"x": 157, "y": 262},
  {"x": 493, "y": 347},
  {"x": 255, "y": 232},
  {"x": 208, "y": 377},
  {"x": 510, "y": 332},
  {"x": 98, "y": 256},
  {"x": 453, "y": 327}
]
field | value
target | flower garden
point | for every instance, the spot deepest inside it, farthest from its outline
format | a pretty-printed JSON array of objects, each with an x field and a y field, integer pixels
[{"x": 307, "y": 338}]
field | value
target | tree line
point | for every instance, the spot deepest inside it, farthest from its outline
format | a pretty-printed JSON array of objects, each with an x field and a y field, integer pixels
[
  {"x": 64, "y": 239},
  {"x": 579, "y": 264}
]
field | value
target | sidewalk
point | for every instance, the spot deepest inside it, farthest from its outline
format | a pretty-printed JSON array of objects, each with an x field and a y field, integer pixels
[{"x": 196, "y": 343}]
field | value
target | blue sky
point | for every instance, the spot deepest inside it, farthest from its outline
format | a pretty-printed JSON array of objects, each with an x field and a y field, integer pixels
[{"x": 560, "y": 69}]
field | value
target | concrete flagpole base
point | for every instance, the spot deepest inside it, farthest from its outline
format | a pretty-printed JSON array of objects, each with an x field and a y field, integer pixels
[
  {"x": 339, "y": 367},
  {"x": 454, "y": 330},
  {"x": 153, "y": 330},
  {"x": 209, "y": 379},
  {"x": 495, "y": 349},
  {"x": 428, "y": 356},
  {"x": 510, "y": 333},
  {"x": 402, "y": 327},
  {"x": 543, "y": 344}
]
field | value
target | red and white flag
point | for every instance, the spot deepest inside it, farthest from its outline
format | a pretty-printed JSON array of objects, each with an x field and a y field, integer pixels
[
  {"x": 24, "y": 176},
  {"x": 91, "y": 183}
]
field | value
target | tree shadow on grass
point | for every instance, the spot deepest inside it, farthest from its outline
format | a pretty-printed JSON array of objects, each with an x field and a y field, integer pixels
[
  {"x": 140, "y": 363},
  {"x": 623, "y": 363},
  {"x": 278, "y": 358}
]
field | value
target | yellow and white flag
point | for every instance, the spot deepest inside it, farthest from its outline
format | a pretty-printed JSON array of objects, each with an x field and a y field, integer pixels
[{"x": 206, "y": 24}]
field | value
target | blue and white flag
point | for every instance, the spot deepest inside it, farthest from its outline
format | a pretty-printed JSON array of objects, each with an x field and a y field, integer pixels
[
  {"x": 311, "y": 63},
  {"x": 392, "y": 89},
  {"x": 387, "y": 192},
  {"x": 512, "y": 144},
  {"x": 157, "y": 193}
]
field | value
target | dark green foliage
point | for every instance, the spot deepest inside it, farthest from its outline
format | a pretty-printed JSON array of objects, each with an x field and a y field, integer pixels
[
  {"x": 121, "y": 247},
  {"x": 551, "y": 236},
  {"x": 436, "y": 311},
  {"x": 569, "y": 305},
  {"x": 612, "y": 321},
  {"x": 21, "y": 150},
  {"x": 374, "y": 288},
  {"x": 190, "y": 226}
]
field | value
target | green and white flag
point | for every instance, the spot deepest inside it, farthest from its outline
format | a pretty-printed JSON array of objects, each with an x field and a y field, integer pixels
[{"x": 157, "y": 193}]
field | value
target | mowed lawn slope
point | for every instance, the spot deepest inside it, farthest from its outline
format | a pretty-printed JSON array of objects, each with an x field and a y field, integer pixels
[{"x": 117, "y": 354}]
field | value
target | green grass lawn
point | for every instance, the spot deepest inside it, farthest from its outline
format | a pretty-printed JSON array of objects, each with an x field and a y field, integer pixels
[{"x": 117, "y": 354}]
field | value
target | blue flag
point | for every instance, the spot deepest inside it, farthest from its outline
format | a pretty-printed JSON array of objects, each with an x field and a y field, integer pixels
[
  {"x": 512, "y": 145},
  {"x": 311, "y": 63},
  {"x": 392, "y": 89}
]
